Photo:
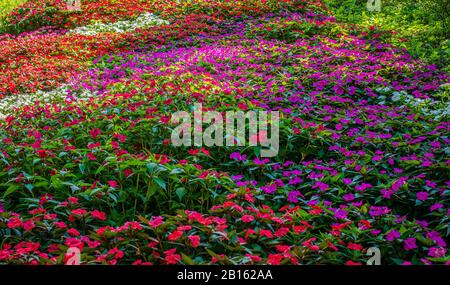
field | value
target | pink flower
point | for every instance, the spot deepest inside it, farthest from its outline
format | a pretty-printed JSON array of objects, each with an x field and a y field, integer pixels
[
  {"x": 112, "y": 183},
  {"x": 265, "y": 233},
  {"x": 73, "y": 232},
  {"x": 175, "y": 235},
  {"x": 247, "y": 218},
  {"x": 28, "y": 225},
  {"x": 195, "y": 240},
  {"x": 352, "y": 263},
  {"x": 98, "y": 215},
  {"x": 354, "y": 246},
  {"x": 422, "y": 196},
  {"x": 95, "y": 133},
  {"x": 72, "y": 200},
  {"x": 14, "y": 223},
  {"x": 274, "y": 259},
  {"x": 79, "y": 212},
  {"x": 156, "y": 222},
  {"x": 60, "y": 225},
  {"x": 409, "y": 243}
]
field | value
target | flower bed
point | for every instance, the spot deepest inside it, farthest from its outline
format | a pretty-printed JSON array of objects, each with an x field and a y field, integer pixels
[{"x": 90, "y": 164}]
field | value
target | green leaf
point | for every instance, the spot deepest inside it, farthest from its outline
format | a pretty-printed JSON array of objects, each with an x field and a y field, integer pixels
[
  {"x": 160, "y": 182},
  {"x": 187, "y": 259},
  {"x": 11, "y": 189},
  {"x": 180, "y": 193}
]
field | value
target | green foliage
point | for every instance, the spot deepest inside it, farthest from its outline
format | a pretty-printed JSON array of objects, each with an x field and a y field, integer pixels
[{"x": 420, "y": 26}]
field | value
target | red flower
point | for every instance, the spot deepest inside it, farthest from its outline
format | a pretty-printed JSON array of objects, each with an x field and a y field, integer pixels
[
  {"x": 282, "y": 248},
  {"x": 247, "y": 218},
  {"x": 72, "y": 200},
  {"x": 127, "y": 172},
  {"x": 265, "y": 233},
  {"x": 116, "y": 252},
  {"x": 91, "y": 156},
  {"x": 205, "y": 151},
  {"x": 195, "y": 240},
  {"x": 253, "y": 258},
  {"x": 165, "y": 119},
  {"x": 175, "y": 235},
  {"x": 79, "y": 212},
  {"x": 60, "y": 225},
  {"x": 351, "y": 262},
  {"x": 274, "y": 259},
  {"x": 112, "y": 183},
  {"x": 14, "y": 223},
  {"x": 98, "y": 215},
  {"x": 171, "y": 256},
  {"x": 156, "y": 222},
  {"x": 28, "y": 225},
  {"x": 332, "y": 246},
  {"x": 73, "y": 232},
  {"x": 121, "y": 138},
  {"x": 194, "y": 151},
  {"x": 95, "y": 133},
  {"x": 115, "y": 144},
  {"x": 354, "y": 246},
  {"x": 281, "y": 232}
]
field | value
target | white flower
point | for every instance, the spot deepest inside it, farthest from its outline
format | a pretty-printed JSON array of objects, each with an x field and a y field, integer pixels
[{"x": 143, "y": 21}]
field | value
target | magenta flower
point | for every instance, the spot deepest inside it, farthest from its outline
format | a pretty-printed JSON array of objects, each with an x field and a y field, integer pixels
[
  {"x": 422, "y": 196},
  {"x": 322, "y": 186},
  {"x": 437, "y": 251},
  {"x": 293, "y": 196},
  {"x": 436, "y": 206},
  {"x": 409, "y": 243},
  {"x": 347, "y": 181},
  {"x": 392, "y": 235},
  {"x": 349, "y": 197}
]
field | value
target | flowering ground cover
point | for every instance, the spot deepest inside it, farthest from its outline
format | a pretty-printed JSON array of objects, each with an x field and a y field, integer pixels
[{"x": 86, "y": 158}]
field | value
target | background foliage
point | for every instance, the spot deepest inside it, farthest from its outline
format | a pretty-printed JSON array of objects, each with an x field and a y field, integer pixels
[{"x": 421, "y": 26}]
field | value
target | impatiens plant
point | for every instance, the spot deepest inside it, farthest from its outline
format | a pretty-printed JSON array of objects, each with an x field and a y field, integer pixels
[{"x": 86, "y": 159}]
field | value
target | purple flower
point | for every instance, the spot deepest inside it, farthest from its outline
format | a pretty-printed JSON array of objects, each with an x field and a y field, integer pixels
[
  {"x": 375, "y": 232},
  {"x": 436, "y": 206},
  {"x": 2, "y": 207},
  {"x": 436, "y": 251},
  {"x": 392, "y": 235},
  {"x": 340, "y": 214},
  {"x": 349, "y": 197},
  {"x": 258, "y": 161},
  {"x": 376, "y": 211},
  {"x": 422, "y": 196},
  {"x": 347, "y": 181},
  {"x": 322, "y": 186},
  {"x": 423, "y": 224},
  {"x": 436, "y": 237},
  {"x": 296, "y": 180},
  {"x": 269, "y": 189},
  {"x": 241, "y": 183},
  {"x": 362, "y": 187},
  {"x": 406, "y": 263},
  {"x": 236, "y": 177},
  {"x": 293, "y": 196},
  {"x": 409, "y": 243},
  {"x": 238, "y": 156}
]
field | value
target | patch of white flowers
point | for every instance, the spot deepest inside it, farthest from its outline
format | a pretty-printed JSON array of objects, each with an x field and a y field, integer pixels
[
  {"x": 434, "y": 109},
  {"x": 58, "y": 95},
  {"x": 143, "y": 21}
]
